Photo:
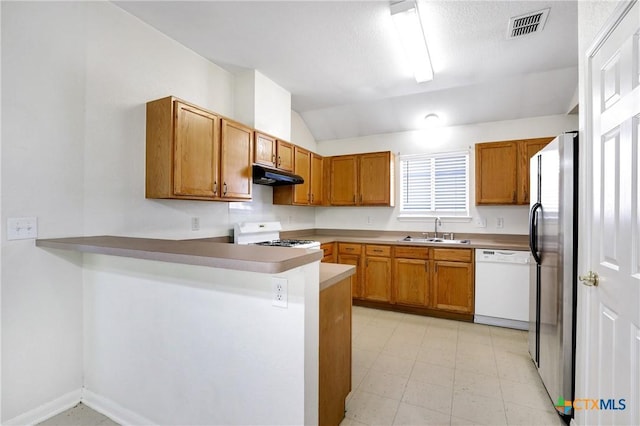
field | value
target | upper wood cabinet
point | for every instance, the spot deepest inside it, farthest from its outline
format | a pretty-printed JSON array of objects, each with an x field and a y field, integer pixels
[
  {"x": 284, "y": 156},
  {"x": 317, "y": 178},
  {"x": 527, "y": 149},
  {"x": 265, "y": 149},
  {"x": 236, "y": 147},
  {"x": 193, "y": 153},
  {"x": 343, "y": 180},
  {"x": 273, "y": 152},
  {"x": 362, "y": 180},
  {"x": 309, "y": 166},
  {"x": 375, "y": 184},
  {"x": 502, "y": 170}
]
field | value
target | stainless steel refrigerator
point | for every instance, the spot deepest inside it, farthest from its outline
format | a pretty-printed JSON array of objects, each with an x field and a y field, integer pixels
[{"x": 553, "y": 241}]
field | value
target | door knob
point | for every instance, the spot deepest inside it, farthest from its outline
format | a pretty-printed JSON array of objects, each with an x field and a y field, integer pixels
[{"x": 591, "y": 279}]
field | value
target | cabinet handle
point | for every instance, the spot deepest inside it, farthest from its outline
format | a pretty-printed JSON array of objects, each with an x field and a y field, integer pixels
[
  {"x": 526, "y": 195},
  {"x": 224, "y": 190},
  {"x": 273, "y": 159},
  {"x": 312, "y": 198},
  {"x": 426, "y": 266},
  {"x": 349, "y": 249},
  {"x": 215, "y": 188},
  {"x": 279, "y": 161},
  {"x": 360, "y": 198},
  {"x": 377, "y": 251},
  {"x": 514, "y": 196},
  {"x": 354, "y": 198}
]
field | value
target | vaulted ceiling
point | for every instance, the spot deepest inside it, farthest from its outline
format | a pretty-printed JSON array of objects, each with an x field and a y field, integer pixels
[{"x": 344, "y": 66}]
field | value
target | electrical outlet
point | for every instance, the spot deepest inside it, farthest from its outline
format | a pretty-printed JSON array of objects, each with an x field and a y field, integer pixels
[
  {"x": 500, "y": 222},
  {"x": 195, "y": 223},
  {"x": 279, "y": 286},
  {"x": 22, "y": 228},
  {"x": 480, "y": 222}
]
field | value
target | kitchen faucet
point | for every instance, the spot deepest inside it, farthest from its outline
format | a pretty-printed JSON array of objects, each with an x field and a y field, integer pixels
[{"x": 436, "y": 222}]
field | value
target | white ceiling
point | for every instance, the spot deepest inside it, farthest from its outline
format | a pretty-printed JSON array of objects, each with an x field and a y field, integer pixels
[{"x": 346, "y": 71}]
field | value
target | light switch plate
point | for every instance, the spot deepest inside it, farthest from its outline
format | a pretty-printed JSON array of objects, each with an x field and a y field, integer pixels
[{"x": 22, "y": 228}]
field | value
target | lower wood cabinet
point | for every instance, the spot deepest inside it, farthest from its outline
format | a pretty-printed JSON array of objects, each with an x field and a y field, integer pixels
[
  {"x": 351, "y": 254},
  {"x": 420, "y": 279},
  {"x": 377, "y": 273},
  {"x": 334, "y": 352},
  {"x": 411, "y": 276},
  {"x": 453, "y": 286},
  {"x": 453, "y": 281},
  {"x": 329, "y": 252}
]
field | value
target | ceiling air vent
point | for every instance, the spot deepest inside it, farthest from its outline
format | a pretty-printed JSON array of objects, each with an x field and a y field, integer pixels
[{"x": 527, "y": 24}]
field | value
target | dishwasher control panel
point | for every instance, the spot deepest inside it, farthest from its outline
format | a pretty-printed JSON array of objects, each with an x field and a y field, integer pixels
[{"x": 502, "y": 256}]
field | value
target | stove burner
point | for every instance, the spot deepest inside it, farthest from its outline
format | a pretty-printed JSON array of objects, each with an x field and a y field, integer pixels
[{"x": 285, "y": 243}]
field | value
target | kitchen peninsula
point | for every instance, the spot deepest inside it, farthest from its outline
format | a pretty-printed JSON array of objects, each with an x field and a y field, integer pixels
[{"x": 186, "y": 332}]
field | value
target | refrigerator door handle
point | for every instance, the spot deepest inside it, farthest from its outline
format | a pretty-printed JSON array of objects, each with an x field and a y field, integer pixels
[{"x": 533, "y": 231}]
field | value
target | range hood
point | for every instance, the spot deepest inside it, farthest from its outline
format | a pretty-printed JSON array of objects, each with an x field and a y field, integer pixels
[{"x": 263, "y": 175}]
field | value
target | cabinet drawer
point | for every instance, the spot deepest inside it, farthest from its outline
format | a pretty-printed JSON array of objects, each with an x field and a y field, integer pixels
[
  {"x": 346, "y": 248},
  {"x": 411, "y": 252},
  {"x": 327, "y": 248},
  {"x": 382, "y": 251},
  {"x": 456, "y": 255}
]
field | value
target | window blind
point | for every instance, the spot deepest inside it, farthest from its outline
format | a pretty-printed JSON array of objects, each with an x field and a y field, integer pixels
[{"x": 434, "y": 183}]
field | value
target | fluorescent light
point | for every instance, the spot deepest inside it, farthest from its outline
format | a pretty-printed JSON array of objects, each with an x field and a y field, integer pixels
[{"x": 407, "y": 20}]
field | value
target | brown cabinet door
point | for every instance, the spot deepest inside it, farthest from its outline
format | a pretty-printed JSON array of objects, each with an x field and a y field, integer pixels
[
  {"x": 316, "y": 179},
  {"x": 196, "y": 153},
  {"x": 334, "y": 352},
  {"x": 284, "y": 152},
  {"x": 353, "y": 259},
  {"x": 496, "y": 174},
  {"x": 374, "y": 179},
  {"x": 453, "y": 286},
  {"x": 301, "y": 166},
  {"x": 265, "y": 150},
  {"x": 235, "y": 165},
  {"x": 411, "y": 282},
  {"x": 527, "y": 149},
  {"x": 377, "y": 279},
  {"x": 328, "y": 252},
  {"x": 344, "y": 180}
]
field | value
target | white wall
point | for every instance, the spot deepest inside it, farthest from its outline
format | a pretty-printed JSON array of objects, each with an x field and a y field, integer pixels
[
  {"x": 440, "y": 140},
  {"x": 43, "y": 92},
  {"x": 75, "y": 80},
  {"x": 182, "y": 344}
]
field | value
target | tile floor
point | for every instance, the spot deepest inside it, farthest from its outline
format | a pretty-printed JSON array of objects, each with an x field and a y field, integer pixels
[{"x": 415, "y": 370}]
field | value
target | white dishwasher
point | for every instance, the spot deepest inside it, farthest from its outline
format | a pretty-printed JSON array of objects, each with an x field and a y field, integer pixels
[{"x": 502, "y": 288}]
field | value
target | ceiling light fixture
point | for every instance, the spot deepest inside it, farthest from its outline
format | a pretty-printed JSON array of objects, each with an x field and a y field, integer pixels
[
  {"x": 407, "y": 20},
  {"x": 431, "y": 120}
]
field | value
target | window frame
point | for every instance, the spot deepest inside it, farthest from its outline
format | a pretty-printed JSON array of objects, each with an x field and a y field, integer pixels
[{"x": 462, "y": 215}]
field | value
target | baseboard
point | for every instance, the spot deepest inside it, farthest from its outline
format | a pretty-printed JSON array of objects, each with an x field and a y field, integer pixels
[
  {"x": 113, "y": 410},
  {"x": 501, "y": 322},
  {"x": 47, "y": 410}
]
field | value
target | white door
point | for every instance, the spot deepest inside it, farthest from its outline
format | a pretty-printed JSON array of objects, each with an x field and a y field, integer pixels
[{"x": 608, "y": 355}]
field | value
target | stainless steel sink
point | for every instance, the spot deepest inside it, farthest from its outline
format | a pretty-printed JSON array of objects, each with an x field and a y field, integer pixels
[{"x": 433, "y": 240}]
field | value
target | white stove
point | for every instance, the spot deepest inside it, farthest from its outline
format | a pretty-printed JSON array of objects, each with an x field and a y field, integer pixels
[{"x": 267, "y": 234}]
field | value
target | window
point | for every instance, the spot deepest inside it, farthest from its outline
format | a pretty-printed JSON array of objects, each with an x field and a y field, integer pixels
[{"x": 434, "y": 184}]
